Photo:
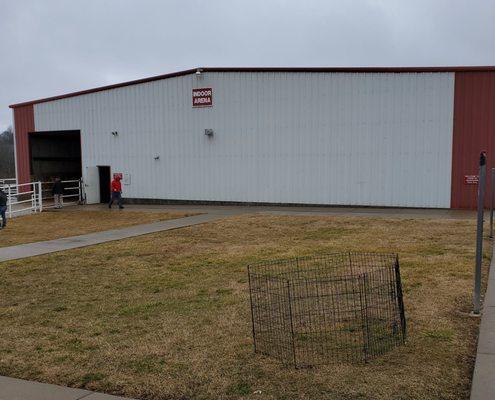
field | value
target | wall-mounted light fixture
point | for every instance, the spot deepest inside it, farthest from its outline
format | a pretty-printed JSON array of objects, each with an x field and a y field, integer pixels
[
  {"x": 115, "y": 134},
  {"x": 198, "y": 72},
  {"x": 209, "y": 132},
  {"x": 157, "y": 157}
]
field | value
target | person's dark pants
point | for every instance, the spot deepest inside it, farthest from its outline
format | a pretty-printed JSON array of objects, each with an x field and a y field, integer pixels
[
  {"x": 116, "y": 196},
  {"x": 3, "y": 210}
]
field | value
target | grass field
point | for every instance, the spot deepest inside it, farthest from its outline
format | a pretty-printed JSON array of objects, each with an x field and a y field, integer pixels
[
  {"x": 167, "y": 316},
  {"x": 58, "y": 224}
]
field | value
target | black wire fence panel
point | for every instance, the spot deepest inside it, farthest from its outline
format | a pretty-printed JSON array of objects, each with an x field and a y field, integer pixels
[{"x": 343, "y": 307}]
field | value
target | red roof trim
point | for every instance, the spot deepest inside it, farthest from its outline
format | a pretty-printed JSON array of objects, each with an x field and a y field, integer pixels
[{"x": 263, "y": 69}]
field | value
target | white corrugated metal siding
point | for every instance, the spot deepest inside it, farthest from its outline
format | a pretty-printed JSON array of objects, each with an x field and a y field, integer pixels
[{"x": 382, "y": 139}]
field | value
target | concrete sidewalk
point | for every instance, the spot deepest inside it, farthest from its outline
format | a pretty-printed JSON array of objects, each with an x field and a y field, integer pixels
[
  {"x": 18, "y": 389},
  {"x": 483, "y": 385},
  {"x": 210, "y": 213},
  {"x": 73, "y": 242},
  {"x": 379, "y": 212}
]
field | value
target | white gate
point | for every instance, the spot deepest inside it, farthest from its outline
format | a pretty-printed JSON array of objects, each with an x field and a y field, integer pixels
[
  {"x": 73, "y": 193},
  {"x": 33, "y": 197},
  {"x": 4, "y": 182},
  {"x": 25, "y": 198}
]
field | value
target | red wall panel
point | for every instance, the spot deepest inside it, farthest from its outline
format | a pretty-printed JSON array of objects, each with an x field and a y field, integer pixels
[
  {"x": 474, "y": 131},
  {"x": 24, "y": 123}
]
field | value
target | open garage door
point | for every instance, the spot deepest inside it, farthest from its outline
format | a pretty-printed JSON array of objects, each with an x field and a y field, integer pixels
[{"x": 55, "y": 154}]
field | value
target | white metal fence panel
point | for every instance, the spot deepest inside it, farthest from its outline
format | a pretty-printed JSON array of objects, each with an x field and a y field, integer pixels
[
  {"x": 7, "y": 181},
  {"x": 73, "y": 193},
  {"x": 4, "y": 182},
  {"x": 34, "y": 197},
  {"x": 382, "y": 139},
  {"x": 24, "y": 198}
]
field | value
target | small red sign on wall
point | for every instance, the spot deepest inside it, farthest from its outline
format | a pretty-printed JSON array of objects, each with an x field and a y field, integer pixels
[
  {"x": 471, "y": 179},
  {"x": 202, "y": 97}
]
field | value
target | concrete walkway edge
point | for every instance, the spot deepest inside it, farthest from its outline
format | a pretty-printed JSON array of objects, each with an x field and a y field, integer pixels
[
  {"x": 19, "y": 389},
  {"x": 74, "y": 242},
  {"x": 483, "y": 385}
]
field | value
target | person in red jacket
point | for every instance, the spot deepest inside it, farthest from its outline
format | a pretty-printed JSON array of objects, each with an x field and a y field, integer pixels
[{"x": 116, "y": 189}]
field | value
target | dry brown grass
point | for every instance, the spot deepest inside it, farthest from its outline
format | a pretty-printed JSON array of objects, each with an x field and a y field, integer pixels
[
  {"x": 58, "y": 224},
  {"x": 166, "y": 316}
]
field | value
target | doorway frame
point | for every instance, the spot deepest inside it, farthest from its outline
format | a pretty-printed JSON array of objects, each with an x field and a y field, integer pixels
[{"x": 105, "y": 193}]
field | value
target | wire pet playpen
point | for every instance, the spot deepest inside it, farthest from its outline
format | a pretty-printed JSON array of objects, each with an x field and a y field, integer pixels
[{"x": 325, "y": 309}]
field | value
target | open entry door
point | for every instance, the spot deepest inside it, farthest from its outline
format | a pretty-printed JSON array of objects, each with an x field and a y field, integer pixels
[
  {"x": 92, "y": 185},
  {"x": 104, "y": 172}
]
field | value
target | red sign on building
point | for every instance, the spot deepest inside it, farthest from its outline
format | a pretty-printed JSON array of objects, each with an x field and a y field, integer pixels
[
  {"x": 471, "y": 179},
  {"x": 202, "y": 97}
]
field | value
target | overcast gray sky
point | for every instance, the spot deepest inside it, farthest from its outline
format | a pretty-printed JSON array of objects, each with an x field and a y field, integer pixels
[{"x": 52, "y": 47}]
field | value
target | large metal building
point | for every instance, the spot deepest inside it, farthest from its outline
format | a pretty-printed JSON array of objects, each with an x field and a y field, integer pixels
[{"x": 400, "y": 137}]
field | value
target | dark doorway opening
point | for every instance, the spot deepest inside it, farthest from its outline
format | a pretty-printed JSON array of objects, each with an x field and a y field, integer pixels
[
  {"x": 55, "y": 154},
  {"x": 104, "y": 173}
]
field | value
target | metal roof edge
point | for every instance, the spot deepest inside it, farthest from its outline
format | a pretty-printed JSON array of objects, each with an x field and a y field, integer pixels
[
  {"x": 106, "y": 87},
  {"x": 260, "y": 69}
]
